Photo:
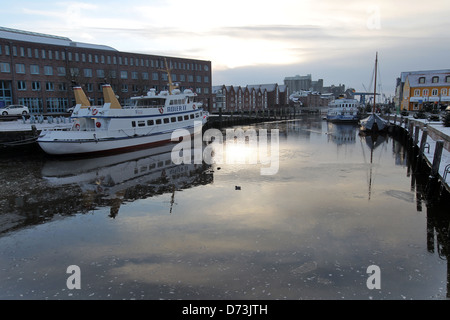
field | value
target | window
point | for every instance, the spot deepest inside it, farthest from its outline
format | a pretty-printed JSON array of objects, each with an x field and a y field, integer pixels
[
  {"x": 124, "y": 88},
  {"x": 154, "y": 76},
  {"x": 5, "y": 67},
  {"x": 49, "y": 86},
  {"x": 20, "y": 68},
  {"x": 150, "y": 122},
  {"x": 158, "y": 121},
  {"x": 435, "y": 79},
  {"x": 134, "y": 75},
  {"x": 166, "y": 120},
  {"x": 425, "y": 92},
  {"x": 447, "y": 79},
  {"x": 48, "y": 70},
  {"x": 21, "y": 85},
  {"x": 173, "y": 119},
  {"x": 61, "y": 71},
  {"x": 62, "y": 86},
  {"x": 100, "y": 73},
  {"x": 444, "y": 92},
  {"x": 34, "y": 69},
  {"x": 434, "y": 92},
  {"x": 123, "y": 75},
  {"x": 141, "y": 123},
  {"x": 88, "y": 73},
  {"x": 422, "y": 80},
  {"x": 36, "y": 86}
]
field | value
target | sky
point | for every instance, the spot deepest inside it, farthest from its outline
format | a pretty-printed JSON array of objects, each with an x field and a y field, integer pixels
[{"x": 259, "y": 42}]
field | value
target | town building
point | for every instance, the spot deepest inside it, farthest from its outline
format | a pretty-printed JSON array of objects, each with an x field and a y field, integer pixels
[
  {"x": 39, "y": 70},
  {"x": 250, "y": 98},
  {"x": 416, "y": 90}
]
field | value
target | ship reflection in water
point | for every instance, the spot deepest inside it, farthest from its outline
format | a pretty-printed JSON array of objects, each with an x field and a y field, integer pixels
[
  {"x": 69, "y": 186},
  {"x": 339, "y": 203}
]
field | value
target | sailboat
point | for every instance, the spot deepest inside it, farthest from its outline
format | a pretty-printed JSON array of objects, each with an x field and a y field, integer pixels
[{"x": 373, "y": 123}]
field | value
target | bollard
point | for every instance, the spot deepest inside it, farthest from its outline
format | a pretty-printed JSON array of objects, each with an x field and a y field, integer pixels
[
  {"x": 437, "y": 158},
  {"x": 416, "y": 135},
  {"x": 422, "y": 147}
]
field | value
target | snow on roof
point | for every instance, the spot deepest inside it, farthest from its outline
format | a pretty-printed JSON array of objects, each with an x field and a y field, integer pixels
[
  {"x": 28, "y": 36},
  {"x": 405, "y": 74},
  {"x": 414, "y": 79}
]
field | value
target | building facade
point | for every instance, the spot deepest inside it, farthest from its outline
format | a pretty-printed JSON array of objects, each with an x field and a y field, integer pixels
[
  {"x": 39, "y": 70},
  {"x": 418, "y": 89},
  {"x": 249, "y": 98}
]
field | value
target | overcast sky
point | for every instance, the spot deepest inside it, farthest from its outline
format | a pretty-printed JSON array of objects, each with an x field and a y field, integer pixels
[{"x": 263, "y": 41}]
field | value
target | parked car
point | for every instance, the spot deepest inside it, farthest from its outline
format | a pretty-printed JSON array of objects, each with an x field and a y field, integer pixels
[{"x": 15, "y": 109}]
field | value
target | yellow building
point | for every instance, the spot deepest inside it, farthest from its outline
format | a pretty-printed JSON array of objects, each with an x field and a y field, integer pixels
[{"x": 426, "y": 88}]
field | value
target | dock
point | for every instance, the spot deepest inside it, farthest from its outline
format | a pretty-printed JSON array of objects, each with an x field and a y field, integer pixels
[
  {"x": 431, "y": 142},
  {"x": 21, "y": 132}
]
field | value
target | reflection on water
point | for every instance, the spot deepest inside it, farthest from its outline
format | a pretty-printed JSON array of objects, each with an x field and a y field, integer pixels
[{"x": 339, "y": 203}]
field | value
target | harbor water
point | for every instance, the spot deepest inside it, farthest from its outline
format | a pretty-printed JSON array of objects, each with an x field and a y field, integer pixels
[{"x": 335, "y": 216}]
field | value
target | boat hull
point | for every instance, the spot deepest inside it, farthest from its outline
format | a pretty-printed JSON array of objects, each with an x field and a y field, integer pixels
[
  {"x": 373, "y": 123},
  {"x": 343, "y": 118},
  {"x": 106, "y": 145}
]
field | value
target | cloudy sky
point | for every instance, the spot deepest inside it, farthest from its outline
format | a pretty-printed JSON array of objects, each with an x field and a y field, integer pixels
[{"x": 251, "y": 42}]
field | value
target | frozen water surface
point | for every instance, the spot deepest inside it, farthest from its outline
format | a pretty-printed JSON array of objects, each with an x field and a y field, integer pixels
[{"x": 140, "y": 227}]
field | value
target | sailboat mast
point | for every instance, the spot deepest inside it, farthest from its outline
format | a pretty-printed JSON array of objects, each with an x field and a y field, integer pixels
[{"x": 375, "y": 85}]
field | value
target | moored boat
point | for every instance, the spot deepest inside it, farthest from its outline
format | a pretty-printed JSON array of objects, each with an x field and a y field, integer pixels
[
  {"x": 148, "y": 121},
  {"x": 373, "y": 123},
  {"x": 343, "y": 110}
]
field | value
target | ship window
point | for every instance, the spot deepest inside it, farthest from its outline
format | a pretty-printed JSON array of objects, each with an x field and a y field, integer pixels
[
  {"x": 180, "y": 118},
  {"x": 197, "y": 115},
  {"x": 186, "y": 117},
  {"x": 192, "y": 116},
  {"x": 166, "y": 120},
  {"x": 173, "y": 119},
  {"x": 141, "y": 123},
  {"x": 150, "y": 122},
  {"x": 133, "y": 124},
  {"x": 158, "y": 121}
]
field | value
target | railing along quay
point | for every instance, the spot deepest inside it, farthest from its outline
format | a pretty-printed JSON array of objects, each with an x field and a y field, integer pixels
[{"x": 430, "y": 144}]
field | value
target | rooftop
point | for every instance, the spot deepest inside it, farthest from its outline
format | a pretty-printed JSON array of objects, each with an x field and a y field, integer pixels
[{"x": 28, "y": 36}]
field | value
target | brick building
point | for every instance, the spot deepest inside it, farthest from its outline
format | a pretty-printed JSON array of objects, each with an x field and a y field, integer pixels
[
  {"x": 38, "y": 70},
  {"x": 249, "y": 98}
]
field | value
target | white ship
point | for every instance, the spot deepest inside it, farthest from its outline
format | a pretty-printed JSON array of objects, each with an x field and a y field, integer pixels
[
  {"x": 343, "y": 110},
  {"x": 147, "y": 122}
]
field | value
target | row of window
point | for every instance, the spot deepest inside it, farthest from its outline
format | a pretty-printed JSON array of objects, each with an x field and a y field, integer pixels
[
  {"x": 434, "y": 92},
  {"x": 434, "y": 79},
  {"x": 95, "y": 58},
  {"x": 100, "y": 73},
  {"x": 62, "y": 86},
  {"x": 151, "y": 122}
]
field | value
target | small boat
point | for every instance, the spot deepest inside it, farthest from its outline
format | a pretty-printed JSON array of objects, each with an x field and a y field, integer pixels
[
  {"x": 343, "y": 110},
  {"x": 148, "y": 121},
  {"x": 374, "y": 123}
]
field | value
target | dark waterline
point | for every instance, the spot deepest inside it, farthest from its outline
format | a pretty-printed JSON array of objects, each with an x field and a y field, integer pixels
[{"x": 140, "y": 227}]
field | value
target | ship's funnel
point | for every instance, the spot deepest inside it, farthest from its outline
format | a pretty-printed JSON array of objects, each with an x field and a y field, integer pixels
[
  {"x": 110, "y": 97},
  {"x": 80, "y": 97}
]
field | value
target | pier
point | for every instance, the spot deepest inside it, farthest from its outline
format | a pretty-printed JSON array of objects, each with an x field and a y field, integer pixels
[{"x": 430, "y": 141}]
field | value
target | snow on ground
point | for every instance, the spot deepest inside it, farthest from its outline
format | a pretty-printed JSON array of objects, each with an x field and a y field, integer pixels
[
  {"x": 20, "y": 125},
  {"x": 429, "y": 154}
]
